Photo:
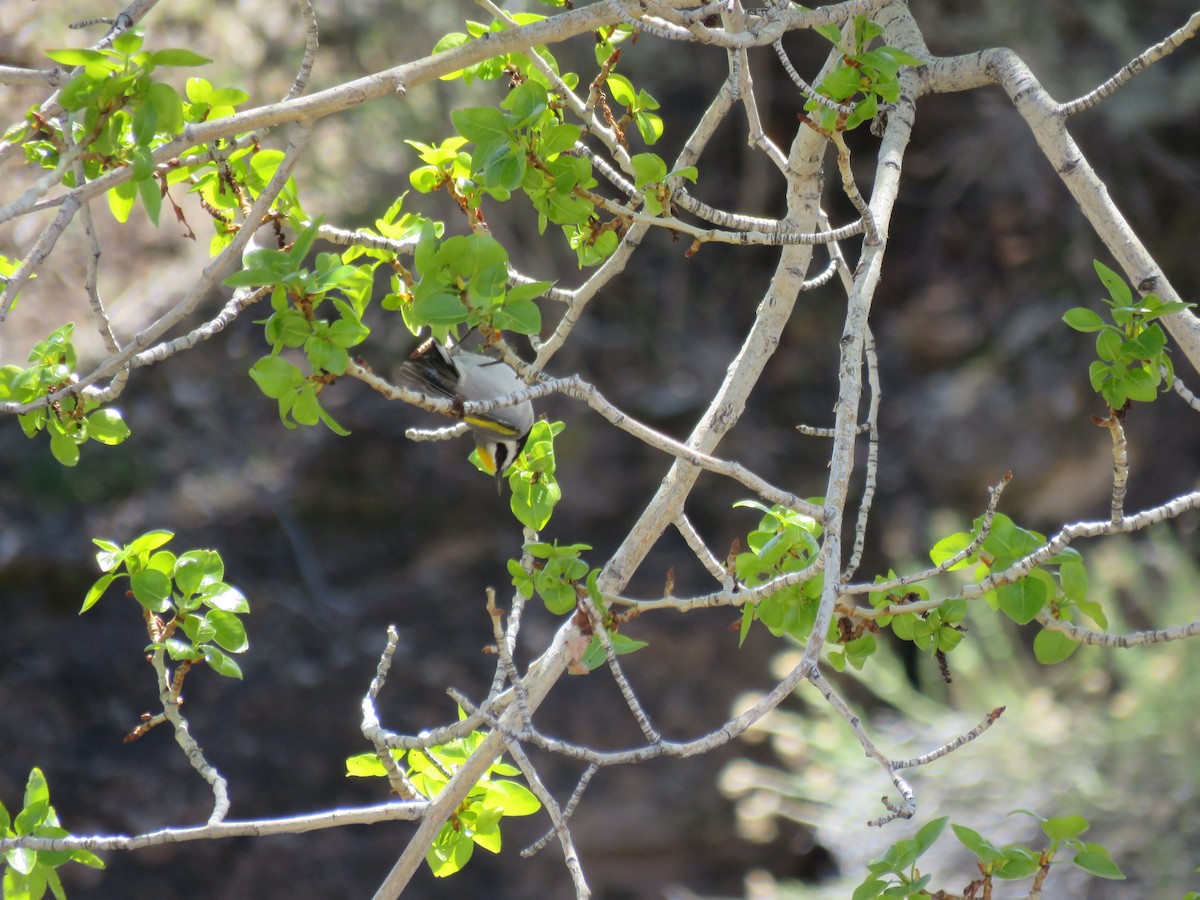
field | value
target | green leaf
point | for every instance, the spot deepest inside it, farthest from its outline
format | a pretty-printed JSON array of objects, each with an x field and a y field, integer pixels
[
  {"x": 557, "y": 139},
  {"x": 78, "y": 57},
  {"x": 96, "y": 591},
  {"x": 831, "y": 33},
  {"x": 220, "y": 663},
  {"x": 514, "y": 799},
  {"x": 63, "y": 447},
  {"x": 1022, "y": 600},
  {"x": 1063, "y": 828},
  {"x": 648, "y": 168},
  {"x": 1118, "y": 290},
  {"x": 107, "y": 426},
  {"x": 976, "y": 843},
  {"x": 1099, "y": 863},
  {"x": 1082, "y": 319},
  {"x": 450, "y": 852},
  {"x": 1074, "y": 579},
  {"x": 152, "y": 589},
  {"x": 365, "y": 765},
  {"x": 1016, "y": 863},
  {"x": 520, "y": 316},
  {"x": 950, "y": 546},
  {"x": 178, "y": 57},
  {"x": 275, "y": 376},
  {"x": 929, "y": 833},
  {"x": 221, "y": 596},
  {"x": 1050, "y": 647},
  {"x": 228, "y": 631},
  {"x": 120, "y": 200},
  {"x": 485, "y": 126},
  {"x": 621, "y": 89}
]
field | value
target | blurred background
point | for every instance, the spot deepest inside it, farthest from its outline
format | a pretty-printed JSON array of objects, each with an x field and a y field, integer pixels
[{"x": 332, "y": 539}]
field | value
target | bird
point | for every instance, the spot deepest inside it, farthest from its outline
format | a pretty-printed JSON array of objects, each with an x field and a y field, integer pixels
[{"x": 452, "y": 373}]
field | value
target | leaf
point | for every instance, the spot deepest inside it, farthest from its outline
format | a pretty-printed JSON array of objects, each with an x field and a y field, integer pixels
[
  {"x": 275, "y": 376},
  {"x": 648, "y": 168},
  {"x": 1118, "y": 290},
  {"x": 178, "y": 57},
  {"x": 152, "y": 589},
  {"x": 515, "y": 799},
  {"x": 1050, "y": 647},
  {"x": 1083, "y": 319},
  {"x": 77, "y": 57},
  {"x": 831, "y": 33},
  {"x": 450, "y": 852},
  {"x": 557, "y": 139},
  {"x": 1063, "y": 828},
  {"x": 63, "y": 447},
  {"x": 621, "y": 89},
  {"x": 365, "y": 765},
  {"x": 485, "y": 126},
  {"x": 929, "y": 833},
  {"x": 96, "y": 591},
  {"x": 1099, "y": 864},
  {"x": 220, "y": 663},
  {"x": 1022, "y": 600},
  {"x": 228, "y": 631},
  {"x": 976, "y": 843},
  {"x": 107, "y": 426},
  {"x": 521, "y": 316}
]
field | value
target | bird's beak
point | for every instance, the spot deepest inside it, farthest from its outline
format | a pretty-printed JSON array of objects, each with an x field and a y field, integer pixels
[{"x": 499, "y": 483}]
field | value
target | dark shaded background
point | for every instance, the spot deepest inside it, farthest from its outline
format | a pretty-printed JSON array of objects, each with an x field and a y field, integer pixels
[{"x": 332, "y": 539}]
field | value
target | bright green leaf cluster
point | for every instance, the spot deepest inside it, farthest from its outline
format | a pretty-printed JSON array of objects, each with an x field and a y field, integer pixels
[
  {"x": 650, "y": 176},
  {"x": 8, "y": 268},
  {"x": 872, "y": 75},
  {"x": 1024, "y": 598},
  {"x": 535, "y": 490},
  {"x": 784, "y": 541},
  {"x": 639, "y": 106},
  {"x": 525, "y": 145},
  {"x": 556, "y": 578},
  {"x": 477, "y": 819},
  {"x": 1015, "y": 861},
  {"x": 1132, "y": 351},
  {"x": 464, "y": 283},
  {"x": 70, "y": 419},
  {"x": 934, "y": 631},
  {"x": 28, "y": 874},
  {"x": 295, "y": 324},
  {"x": 197, "y": 610},
  {"x": 122, "y": 114},
  {"x": 894, "y": 873},
  {"x": 230, "y": 183},
  {"x": 503, "y": 65}
]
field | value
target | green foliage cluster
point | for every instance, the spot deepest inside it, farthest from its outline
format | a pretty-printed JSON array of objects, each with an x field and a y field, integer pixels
[
  {"x": 1066, "y": 595},
  {"x": 895, "y": 874},
  {"x": 477, "y": 820},
  {"x": 1133, "y": 356},
  {"x": 120, "y": 113},
  {"x": 195, "y": 614},
  {"x": 526, "y": 144},
  {"x": 28, "y": 874},
  {"x": 558, "y": 575},
  {"x": 784, "y": 542},
  {"x": 869, "y": 74},
  {"x": 70, "y": 419}
]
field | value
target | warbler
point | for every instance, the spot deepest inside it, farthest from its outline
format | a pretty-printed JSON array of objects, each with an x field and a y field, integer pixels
[{"x": 456, "y": 374}]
